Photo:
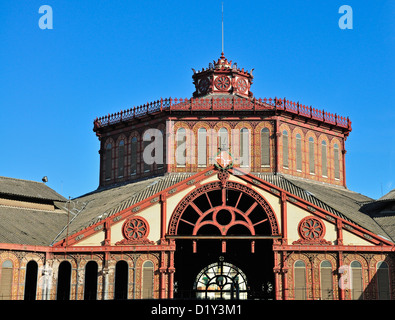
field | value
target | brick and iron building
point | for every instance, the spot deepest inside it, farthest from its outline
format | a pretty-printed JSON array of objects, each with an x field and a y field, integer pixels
[{"x": 219, "y": 196}]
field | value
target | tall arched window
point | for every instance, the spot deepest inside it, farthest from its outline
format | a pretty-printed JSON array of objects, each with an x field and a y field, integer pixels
[
  {"x": 133, "y": 156},
  {"x": 298, "y": 152},
  {"x": 121, "y": 158},
  {"x": 6, "y": 280},
  {"x": 223, "y": 139},
  {"x": 324, "y": 161},
  {"x": 357, "y": 284},
  {"x": 326, "y": 280},
  {"x": 108, "y": 161},
  {"x": 121, "y": 280},
  {"x": 244, "y": 147},
  {"x": 90, "y": 288},
  {"x": 148, "y": 280},
  {"x": 181, "y": 138},
  {"x": 285, "y": 149},
  {"x": 300, "y": 280},
  {"x": 64, "y": 277},
  {"x": 202, "y": 147},
  {"x": 311, "y": 156},
  {"x": 147, "y": 140},
  {"x": 336, "y": 161},
  {"x": 265, "y": 147},
  {"x": 383, "y": 281},
  {"x": 31, "y": 280}
]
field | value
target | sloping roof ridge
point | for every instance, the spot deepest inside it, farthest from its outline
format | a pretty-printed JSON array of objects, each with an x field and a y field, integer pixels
[
  {"x": 388, "y": 196},
  {"x": 159, "y": 183},
  {"x": 306, "y": 195},
  {"x": 48, "y": 190}
]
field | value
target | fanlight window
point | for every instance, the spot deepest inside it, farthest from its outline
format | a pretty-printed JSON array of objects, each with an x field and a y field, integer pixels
[{"x": 221, "y": 280}]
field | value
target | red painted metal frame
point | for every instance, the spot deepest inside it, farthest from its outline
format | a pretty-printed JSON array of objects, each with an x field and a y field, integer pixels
[{"x": 226, "y": 104}]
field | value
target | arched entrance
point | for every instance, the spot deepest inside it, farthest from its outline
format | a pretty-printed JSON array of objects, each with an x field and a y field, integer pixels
[
  {"x": 227, "y": 228},
  {"x": 221, "y": 280}
]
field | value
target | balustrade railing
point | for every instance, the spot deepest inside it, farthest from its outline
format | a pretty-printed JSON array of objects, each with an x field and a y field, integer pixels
[{"x": 223, "y": 104}]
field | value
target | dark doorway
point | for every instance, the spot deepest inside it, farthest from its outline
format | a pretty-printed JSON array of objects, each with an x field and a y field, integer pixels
[
  {"x": 121, "y": 280},
  {"x": 90, "y": 291},
  {"x": 257, "y": 267},
  {"x": 64, "y": 277},
  {"x": 31, "y": 280}
]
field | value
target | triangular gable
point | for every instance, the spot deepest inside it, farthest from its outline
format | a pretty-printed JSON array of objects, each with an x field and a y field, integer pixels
[
  {"x": 318, "y": 208},
  {"x": 194, "y": 181},
  {"x": 102, "y": 224}
]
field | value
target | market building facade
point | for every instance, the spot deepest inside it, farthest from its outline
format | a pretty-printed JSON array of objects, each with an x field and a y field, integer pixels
[{"x": 219, "y": 196}]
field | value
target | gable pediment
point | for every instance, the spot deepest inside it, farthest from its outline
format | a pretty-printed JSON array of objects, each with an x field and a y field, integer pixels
[{"x": 157, "y": 199}]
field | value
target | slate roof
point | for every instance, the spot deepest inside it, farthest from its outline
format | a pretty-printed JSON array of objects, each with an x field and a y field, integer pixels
[
  {"x": 102, "y": 203},
  {"x": 27, "y": 189},
  {"x": 335, "y": 199},
  {"x": 40, "y": 227},
  {"x": 389, "y": 196}
]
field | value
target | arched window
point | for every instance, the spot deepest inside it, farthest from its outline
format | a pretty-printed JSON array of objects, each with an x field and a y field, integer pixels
[
  {"x": 223, "y": 139},
  {"x": 121, "y": 158},
  {"x": 147, "y": 140},
  {"x": 90, "y": 288},
  {"x": 265, "y": 147},
  {"x": 326, "y": 281},
  {"x": 31, "y": 280},
  {"x": 181, "y": 139},
  {"x": 383, "y": 281},
  {"x": 311, "y": 156},
  {"x": 133, "y": 156},
  {"x": 298, "y": 152},
  {"x": 108, "y": 161},
  {"x": 6, "y": 280},
  {"x": 148, "y": 280},
  {"x": 244, "y": 147},
  {"x": 357, "y": 285},
  {"x": 300, "y": 280},
  {"x": 64, "y": 277},
  {"x": 159, "y": 145},
  {"x": 285, "y": 149},
  {"x": 336, "y": 161},
  {"x": 324, "y": 160},
  {"x": 202, "y": 147},
  {"x": 121, "y": 280}
]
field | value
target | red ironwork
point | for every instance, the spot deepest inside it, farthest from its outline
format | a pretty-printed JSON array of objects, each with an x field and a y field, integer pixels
[
  {"x": 232, "y": 103},
  {"x": 312, "y": 231},
  {"x": 223, "y": 216}
]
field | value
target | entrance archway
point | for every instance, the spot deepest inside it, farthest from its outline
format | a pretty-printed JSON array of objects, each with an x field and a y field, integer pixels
[
  {"x": 221, "y": 280},
  {"x": 227, "y": 220}
]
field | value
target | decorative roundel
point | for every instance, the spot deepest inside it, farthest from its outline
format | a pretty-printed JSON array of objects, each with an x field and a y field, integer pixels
[
  {"x": 222, "y": 83},
  {"x": 311, "y": 228},
  {"x": 203, "y": 85},
  {"x": 135, "y": 229},
  {"x": 241, "y": 85}
]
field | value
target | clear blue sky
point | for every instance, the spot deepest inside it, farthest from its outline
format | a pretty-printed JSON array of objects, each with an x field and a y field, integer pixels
[{"x": 105, "y": 56}]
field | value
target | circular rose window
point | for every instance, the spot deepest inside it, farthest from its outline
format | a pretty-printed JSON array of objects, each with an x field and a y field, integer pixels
[
  {"x": 222, "y": 83},
  {"x": 135, "y": 229},
  {"x": 311, "y": 228}
]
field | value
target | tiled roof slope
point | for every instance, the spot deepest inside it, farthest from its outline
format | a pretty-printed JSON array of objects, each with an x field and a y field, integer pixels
[
  {"x": 39, "y": 227},
  {"x": 27, "y": 189},
  {"x": 103, "y": 203},
  {"x": 337, "y": 200}
]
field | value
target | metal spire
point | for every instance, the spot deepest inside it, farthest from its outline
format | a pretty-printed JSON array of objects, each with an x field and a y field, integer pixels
[{"x": 222, "y": 28}]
